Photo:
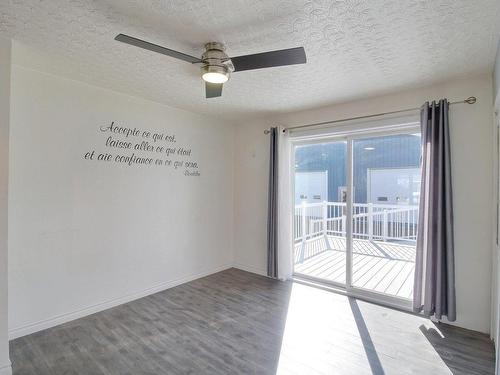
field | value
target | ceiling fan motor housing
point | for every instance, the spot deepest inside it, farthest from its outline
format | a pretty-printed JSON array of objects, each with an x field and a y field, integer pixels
[{"x": 215, "y": 60}]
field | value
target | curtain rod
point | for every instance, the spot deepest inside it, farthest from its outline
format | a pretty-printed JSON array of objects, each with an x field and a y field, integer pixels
[{"x": 469, "y": 100}]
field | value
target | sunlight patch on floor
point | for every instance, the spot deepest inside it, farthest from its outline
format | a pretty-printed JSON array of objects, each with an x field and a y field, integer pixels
[{"x": 328, "y": 333}]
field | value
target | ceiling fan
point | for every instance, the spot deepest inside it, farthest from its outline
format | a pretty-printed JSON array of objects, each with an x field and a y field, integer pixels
[{"x": 216, "y": 66}]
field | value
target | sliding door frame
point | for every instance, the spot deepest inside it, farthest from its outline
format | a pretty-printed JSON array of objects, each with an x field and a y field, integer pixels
[
  {"x": 294, "y": 144},
  {"x": 349, "y": 137}
]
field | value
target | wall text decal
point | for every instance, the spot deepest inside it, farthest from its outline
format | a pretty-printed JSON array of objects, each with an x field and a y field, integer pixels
[{"x": 138, "y": 147}]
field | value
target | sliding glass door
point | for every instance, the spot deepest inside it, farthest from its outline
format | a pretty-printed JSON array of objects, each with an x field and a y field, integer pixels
[
  {"x": 386, "y": 189},
  {"x": 356, "y": 212},
  {"x": 320, "y": 217}
]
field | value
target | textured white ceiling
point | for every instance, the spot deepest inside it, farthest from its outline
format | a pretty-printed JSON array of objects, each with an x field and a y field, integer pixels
[{"x": 355, "y": 48}]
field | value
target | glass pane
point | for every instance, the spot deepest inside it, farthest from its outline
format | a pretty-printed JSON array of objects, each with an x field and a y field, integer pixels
[
  {"x": 320, "y": 211},
  {"x": 386, "y": 188}
]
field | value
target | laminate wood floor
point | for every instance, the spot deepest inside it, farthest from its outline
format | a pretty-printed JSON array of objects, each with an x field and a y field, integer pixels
[{"x": 235, "y": 322}]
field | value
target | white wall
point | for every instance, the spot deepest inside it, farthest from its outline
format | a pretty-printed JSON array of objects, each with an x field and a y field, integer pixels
[
  {"x": 85, "y": 235},
  {"x": 495, "y": 323},
  {"x": 495, "y": 261},
  {"x": 5, "y": 60},
  {"x": 472, "y": 155},
  {"x": 496, "y": 77}
]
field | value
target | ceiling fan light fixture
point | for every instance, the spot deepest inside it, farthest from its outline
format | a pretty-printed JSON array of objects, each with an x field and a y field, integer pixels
[
  {"x": 215, "y": 77},
  {"x": 218, "y": 66},
  {"x": 214, "y": 74}
]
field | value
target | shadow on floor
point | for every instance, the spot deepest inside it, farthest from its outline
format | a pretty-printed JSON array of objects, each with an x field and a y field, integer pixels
[
  {"x": 371, "y": 352},
  {"x": 461, "y": 359}
]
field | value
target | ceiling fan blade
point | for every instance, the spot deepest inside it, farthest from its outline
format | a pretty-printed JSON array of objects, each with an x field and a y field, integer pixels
[
  {"x": 156, "y": 48},
  {"x": 282, "y": 57},
  {"x": 213, "y": 90}
]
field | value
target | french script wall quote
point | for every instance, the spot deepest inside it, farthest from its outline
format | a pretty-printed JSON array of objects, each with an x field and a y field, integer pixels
[{"x": 140, "y": 147}]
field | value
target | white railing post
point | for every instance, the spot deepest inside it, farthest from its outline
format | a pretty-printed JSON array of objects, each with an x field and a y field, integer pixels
[
  {"x": 325, "y": 224},
  {"x": 385, "y": 225},
  {"x": 343, "y": 225},
  {"x": 303, "y": 215},
  {"x": 304, "y": 234},
  {"x": 370, "y": 221},
  {"x": 325, "y": 217}
]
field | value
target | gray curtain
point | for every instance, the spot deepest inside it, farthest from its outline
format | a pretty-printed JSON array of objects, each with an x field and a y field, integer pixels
[
  {"x": 434, "y": 287},
  {"x": 272, "y": 208}
]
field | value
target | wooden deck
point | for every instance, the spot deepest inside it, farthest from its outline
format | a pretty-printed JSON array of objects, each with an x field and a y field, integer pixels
[{"x": 383, "y": 267}]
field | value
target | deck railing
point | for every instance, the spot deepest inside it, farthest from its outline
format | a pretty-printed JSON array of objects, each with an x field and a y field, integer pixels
[{"x": 382, "y": 222}]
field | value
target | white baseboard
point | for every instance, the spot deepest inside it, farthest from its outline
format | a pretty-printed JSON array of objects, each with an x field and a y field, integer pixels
[
  {"x": 251, "y": 269},
  {"x": 64, "y": 318},
  {"x": 6, "y": 369}
]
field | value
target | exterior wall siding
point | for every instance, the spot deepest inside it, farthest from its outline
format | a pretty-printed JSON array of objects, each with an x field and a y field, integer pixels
[{"x": 399, "y": 151}]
